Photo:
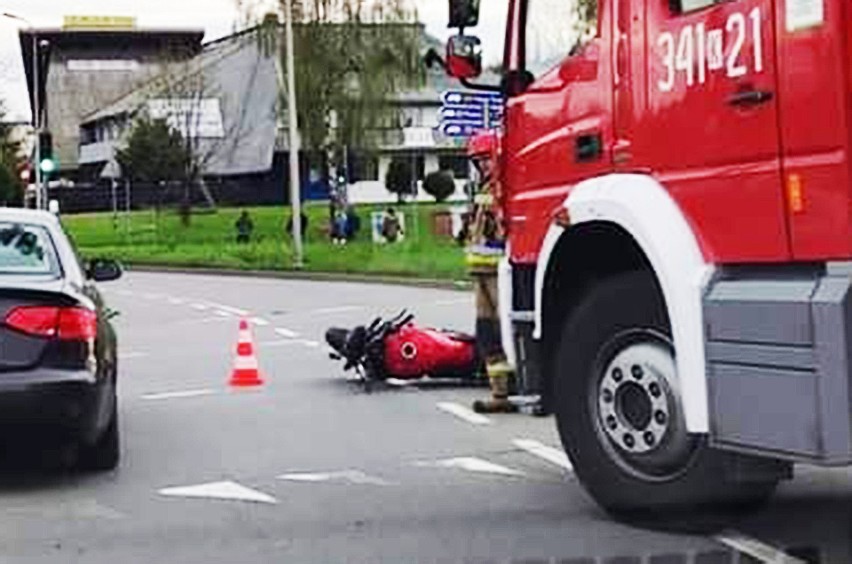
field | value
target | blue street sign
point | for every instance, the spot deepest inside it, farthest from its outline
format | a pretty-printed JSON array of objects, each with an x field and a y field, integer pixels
[
  {"x": 470, "y": 113},
  {"x": 458, "y": 130},
  {"x": 479, "y": 98},
  {"x": 464, "y": 113}
]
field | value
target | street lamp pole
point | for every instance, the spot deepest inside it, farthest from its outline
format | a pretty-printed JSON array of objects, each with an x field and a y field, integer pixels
[
  {"x": 293, "y": 122},
  {"x": 36, "y": 108}
]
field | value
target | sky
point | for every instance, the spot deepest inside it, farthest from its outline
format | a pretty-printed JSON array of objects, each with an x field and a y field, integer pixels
[{"x": 216, "y": 17}]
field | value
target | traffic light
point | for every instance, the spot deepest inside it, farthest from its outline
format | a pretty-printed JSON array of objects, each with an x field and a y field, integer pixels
[{"x": 47, "y": 164}]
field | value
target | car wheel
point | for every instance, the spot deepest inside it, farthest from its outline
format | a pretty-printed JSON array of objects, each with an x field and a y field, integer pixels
[
  {"x": 619, "y": 412},
  {"x": 105, "y": 454}
]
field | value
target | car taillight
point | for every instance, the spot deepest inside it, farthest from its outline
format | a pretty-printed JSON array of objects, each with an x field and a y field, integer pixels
[
  {"x": 65, "y": 323},
  {"x": 77, "y": 324}
]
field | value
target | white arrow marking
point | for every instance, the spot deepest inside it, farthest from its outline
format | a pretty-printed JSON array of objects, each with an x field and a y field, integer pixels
[
  {"x": 219, "y": 490},
  {"x": 351, "y": 476},
  {"x": 545, "y": 452},
  {"x": 472, "y": 464}
]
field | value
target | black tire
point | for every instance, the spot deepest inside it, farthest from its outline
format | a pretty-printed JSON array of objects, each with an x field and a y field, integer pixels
[
  {"x": 105, "y": 454},
  {"x": 680, "y": 472}
]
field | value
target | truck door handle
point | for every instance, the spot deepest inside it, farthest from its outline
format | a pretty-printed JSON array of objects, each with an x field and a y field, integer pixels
[
  {"x": 749, "y": 98},
  {"x": 588, "y": 147}
]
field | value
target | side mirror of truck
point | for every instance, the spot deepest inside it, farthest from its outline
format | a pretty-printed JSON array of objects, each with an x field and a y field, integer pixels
[
  {"x": 464, "y": 13},
  {"x": 464, "y": 57}
]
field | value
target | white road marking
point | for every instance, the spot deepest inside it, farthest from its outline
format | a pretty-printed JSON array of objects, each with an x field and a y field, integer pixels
[
  {"x": 259, "y": 321},
  {"x": 177, "y": 301},
  {"x": 471, "y": 464},
  {"x": 200, "y": 307},
  {"x": 455, "y": 301},
  {"x": 230, "y": 309},
  {"x": 464, "y": 413},
  {"x": 279, "y": 343},
  {"x": 132, "y": 355},
  {"x": 339, "y": 309},
  {"x": 219, "y": 490},
  {"x": 756, "y": 549},
  {"x": 178, "y": 395},
  {"x": 350, "y": 476},
  {"x": 309, "y": 343},
  {"x": 286, "y": 333},
  {"x": 221, "y": 313},
  {"x": 548, "y": 453}
]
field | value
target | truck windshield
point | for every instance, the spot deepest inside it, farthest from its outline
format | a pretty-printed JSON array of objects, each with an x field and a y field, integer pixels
[{"x": 556, "y": 28}]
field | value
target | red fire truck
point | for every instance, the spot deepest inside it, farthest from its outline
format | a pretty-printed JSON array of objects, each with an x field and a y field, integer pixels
[{"x": 677, "y": 177}]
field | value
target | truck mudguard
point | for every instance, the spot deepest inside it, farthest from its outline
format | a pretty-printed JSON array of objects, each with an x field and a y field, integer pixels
[{"x": 644, "y": 209}]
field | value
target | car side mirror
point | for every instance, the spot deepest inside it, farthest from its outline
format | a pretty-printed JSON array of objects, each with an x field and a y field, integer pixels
[
  {"x": 104, "y": 270},
  {"x": 464, "y": 57},
  {"x": 464, "y": 13}
]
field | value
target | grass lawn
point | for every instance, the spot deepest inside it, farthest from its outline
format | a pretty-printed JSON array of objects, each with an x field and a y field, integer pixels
[{"x": 146, "y": 237}]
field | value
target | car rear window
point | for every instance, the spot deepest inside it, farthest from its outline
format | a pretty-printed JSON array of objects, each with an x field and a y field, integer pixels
[{"x": 27, "y": 249}]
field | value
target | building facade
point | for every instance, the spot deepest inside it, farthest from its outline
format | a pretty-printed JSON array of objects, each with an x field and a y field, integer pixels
[
  {"x": 225, "y": 100},
  {"x": 88, "y": 69}
]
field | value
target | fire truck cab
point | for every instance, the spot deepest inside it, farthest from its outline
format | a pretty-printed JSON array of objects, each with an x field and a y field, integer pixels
[{"x": 678, "y": 190}]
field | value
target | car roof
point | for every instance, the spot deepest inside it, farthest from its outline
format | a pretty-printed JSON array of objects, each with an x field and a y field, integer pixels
[{"x": 34, "y": 217}]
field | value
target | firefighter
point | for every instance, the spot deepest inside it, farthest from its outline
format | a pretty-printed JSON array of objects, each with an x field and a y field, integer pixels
[{"x": 485, "y": 247}]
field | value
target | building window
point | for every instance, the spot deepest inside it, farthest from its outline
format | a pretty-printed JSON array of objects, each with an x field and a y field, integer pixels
[
  {"x": 363, "y": 168},
  {"x": 457, "y": 164}
]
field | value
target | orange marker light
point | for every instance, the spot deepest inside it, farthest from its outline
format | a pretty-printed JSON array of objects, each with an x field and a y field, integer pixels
[{"x": 795, "y": 197}]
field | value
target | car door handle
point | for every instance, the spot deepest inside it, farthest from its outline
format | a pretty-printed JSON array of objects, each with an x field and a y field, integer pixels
[
  {"x": 588, "y": 147},
  {"x": 749, "y": 98}
]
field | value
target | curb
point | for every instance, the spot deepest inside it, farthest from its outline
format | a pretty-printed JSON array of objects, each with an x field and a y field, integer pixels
[{"x": 306, "y": 276}]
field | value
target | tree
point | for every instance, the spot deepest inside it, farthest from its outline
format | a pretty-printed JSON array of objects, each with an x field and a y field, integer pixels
[
  {"x": 398, "y": 177},
  {"x": 439, "y": 184},
  {"x": 352, "y": 58},
  {"x": 155, "y": 152},
  {"x": 11, "y": 189}
]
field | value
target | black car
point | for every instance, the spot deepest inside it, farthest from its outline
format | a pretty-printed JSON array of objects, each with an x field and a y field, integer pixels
[{"x": 58, "y": 363}]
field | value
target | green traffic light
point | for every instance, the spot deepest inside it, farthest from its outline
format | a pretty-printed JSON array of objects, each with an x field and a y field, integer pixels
[{"x": 47, "y": 166}]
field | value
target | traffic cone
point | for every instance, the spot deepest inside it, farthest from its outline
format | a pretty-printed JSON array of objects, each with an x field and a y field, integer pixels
[{"x": 246, "y": 373}]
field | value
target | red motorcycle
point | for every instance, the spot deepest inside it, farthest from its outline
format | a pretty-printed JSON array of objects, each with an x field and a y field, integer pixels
[{"x": 399, "y": 349}]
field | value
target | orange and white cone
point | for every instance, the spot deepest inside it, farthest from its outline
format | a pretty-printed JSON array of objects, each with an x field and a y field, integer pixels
[{"x": 246, "y": 371}]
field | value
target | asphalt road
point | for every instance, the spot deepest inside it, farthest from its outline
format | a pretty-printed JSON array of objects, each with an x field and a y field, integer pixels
[{"x": 322, "y": 472}]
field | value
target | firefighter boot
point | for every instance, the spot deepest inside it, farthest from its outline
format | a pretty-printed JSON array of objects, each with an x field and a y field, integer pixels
[{"x": 498, "y": 376}]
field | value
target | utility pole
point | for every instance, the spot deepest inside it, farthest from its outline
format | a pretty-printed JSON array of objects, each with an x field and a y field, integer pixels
[{"x": 293, "y": 122}]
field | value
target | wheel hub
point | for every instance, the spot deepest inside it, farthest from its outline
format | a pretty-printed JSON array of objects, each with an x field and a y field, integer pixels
[{"x": 636, "y": 399}]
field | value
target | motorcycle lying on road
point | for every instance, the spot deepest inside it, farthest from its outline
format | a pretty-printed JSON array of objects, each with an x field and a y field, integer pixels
[{"x": 397, "y": 349}]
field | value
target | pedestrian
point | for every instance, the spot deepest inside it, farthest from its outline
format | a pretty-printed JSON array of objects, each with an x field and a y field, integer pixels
[
  {"x": 338, "y": 229},
  {"x": 353, "y": 223},
  {"x": 485, "y": 248},
  {"x": 391, "y": 228},
  {"x": 245, "y": 227}
]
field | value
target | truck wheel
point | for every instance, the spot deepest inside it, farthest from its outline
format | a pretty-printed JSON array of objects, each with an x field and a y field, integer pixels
[{"x": 619, "y": 413}]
